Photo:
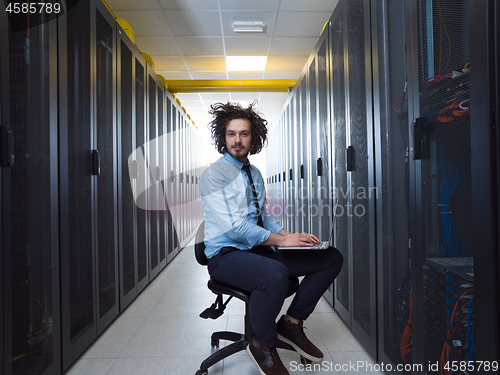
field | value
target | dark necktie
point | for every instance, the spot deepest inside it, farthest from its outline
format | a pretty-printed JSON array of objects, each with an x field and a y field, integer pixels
[{"x": 260, "y": 223}]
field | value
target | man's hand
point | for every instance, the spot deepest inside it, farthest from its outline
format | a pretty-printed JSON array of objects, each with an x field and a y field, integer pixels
[
  {"x": 285, "y": 238},
  {"x": 300, "y": 239}
]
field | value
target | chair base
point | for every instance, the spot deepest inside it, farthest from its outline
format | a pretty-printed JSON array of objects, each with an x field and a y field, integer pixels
[{"x": 240, "y": 343}]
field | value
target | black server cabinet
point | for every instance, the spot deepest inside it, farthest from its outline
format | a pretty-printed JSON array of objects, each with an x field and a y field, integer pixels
[
  {"x": 141, "y": 135},
  {"x": 294, "y": 170},
  {"x": 485, "y": 147},
  {"x": 394, "y": 276},
  {"x": 443, "y": 291},
  {"x": 321, "y": 208},
  {"x": 339, "y": 118},
  {"x": 182, "y": 182},
  {"x": 4, "y": 177},
  {"x": 321, "y": 199},
  {"x": 303, "y": 137},
  {"x": 175, "y": 173},
  {"x": 354, "y": 179},
  {"x": 29, "y": 173},
  {"x": 162, "y": 201},
  {"x": 450, "y": 299},
  {"x": 313, "y": 146},
  {"x": 88, "y": 180},
  {"x": 169, "y": 182},
  {"x": 106, "y": 179},
  {"x": 155, "y": 198},
  {"x": 129, "y": 108},
  {"x": 287, "y": 168}
]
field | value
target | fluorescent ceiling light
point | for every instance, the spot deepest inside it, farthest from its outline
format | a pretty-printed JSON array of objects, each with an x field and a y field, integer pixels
[
  {"x": 249, "y": 27},
  {"x": 245, "y": 63}
]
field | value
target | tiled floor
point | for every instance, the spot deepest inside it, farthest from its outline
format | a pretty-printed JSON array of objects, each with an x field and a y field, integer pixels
[{"x": 161, "y": 332}]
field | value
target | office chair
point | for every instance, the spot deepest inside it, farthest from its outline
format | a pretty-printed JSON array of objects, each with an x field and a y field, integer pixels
[{"x": 241, "y": 340}]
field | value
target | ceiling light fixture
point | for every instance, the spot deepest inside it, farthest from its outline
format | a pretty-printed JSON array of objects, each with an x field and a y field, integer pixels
[
  {"x": 249, "y": 27},
  {"x": 246, "y": 63}
]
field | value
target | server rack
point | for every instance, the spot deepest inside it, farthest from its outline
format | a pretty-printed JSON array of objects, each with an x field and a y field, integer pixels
[
  {"x": 162, "y": 206},
  {"x": 485, "y": 148},
  {"x": 295, "y": 156},
  {"x": 169, "y": 183},
  {"x": 141, "y": 136},
  {"x": 394, "y": 276},
  {"x": 325, "y": 198},
  {"x": 152, "y": 158},
  {"x": 354, "y": 174},
  {"x": 338, "y": 105},
  {"x": 288, "y": 170},
  {"x": 29, "y": 178},
  {"x": 4, "y": 176},
  {"x": 303, "y": 130},
  {"x": 88, "y": 193},
  {"x": 128, "y": 110},
  {"x": 105, "y": 139}
]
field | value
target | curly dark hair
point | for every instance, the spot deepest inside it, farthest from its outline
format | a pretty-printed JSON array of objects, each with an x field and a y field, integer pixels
[{"x": 223, "y": 113}]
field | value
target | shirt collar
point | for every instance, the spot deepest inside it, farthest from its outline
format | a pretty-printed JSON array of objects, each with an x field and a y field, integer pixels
[{"x": 232, "y": 160}]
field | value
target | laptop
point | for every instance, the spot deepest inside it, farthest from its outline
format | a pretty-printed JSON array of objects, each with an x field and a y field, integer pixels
[{"x": 319, "y": 246}]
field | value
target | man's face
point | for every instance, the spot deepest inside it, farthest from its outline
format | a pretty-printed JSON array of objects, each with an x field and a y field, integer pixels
[{"x": 239, "y": 138}]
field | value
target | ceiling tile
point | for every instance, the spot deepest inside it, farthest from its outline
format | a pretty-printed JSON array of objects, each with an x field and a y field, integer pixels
[
  {"x": 301, "y": 24},
  {"x": 188, "y": 4},
  {"x": 168, "y": 75},
  {"x": 276, "y": 74},
  {"x": 209, "y": 75},
  {"x": 165, "y": 63},
  {"x": 247, "y": 45},
  {"x": 230, "y": 17},
  {"x": 292, "y": 46},
  {"x": 281, "y": 63},
  {"x": 260, "y": 5},
  {"x": 188, "y": 97},
  {"x": 309, "y": 6},
  {"x": 199, "y": 46},
  {"x": 193, "y": 23},
  {"x": 245, "y": 96},
  {"x": 205, "y": 63},
  {"x": 157, "y": 45},
  {"x": 146, "y": 22},
  {"x": 211, "y": 98},
  {"x": 277, "y": 96},
  {"x": 116, "y": 5},
  {"x": 245, "y": 75}
]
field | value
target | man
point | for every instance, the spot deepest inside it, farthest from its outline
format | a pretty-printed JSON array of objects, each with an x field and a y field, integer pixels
[{"x": 239, "y": 236}]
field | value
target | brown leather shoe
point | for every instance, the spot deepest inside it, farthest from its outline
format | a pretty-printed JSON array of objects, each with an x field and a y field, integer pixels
[
  {"x": 294, "y": 335},
  {"x": 267, "y": 360}
]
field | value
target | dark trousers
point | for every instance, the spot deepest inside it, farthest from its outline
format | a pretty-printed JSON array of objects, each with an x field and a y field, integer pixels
[{"x": 265, "y": 274}]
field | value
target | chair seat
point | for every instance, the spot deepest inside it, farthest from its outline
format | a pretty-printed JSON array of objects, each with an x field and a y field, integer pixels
[{"x": 219, "y": 288}]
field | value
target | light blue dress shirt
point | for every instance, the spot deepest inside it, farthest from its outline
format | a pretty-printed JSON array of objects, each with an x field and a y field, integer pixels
[{"x": 230, "y": 213}]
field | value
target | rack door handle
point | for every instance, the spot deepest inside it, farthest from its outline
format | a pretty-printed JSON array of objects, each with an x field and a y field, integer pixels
[
  {"x": 349, "y": 158},
  {"x": 7, "y": 144},
  {"x": 96, "y": 163},
  {"x": 418, "y": 125},
  {"x": 319, "y": 165}
]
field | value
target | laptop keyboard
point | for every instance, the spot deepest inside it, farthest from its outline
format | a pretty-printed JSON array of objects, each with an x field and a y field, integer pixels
[{"x": 321, "y": 245}]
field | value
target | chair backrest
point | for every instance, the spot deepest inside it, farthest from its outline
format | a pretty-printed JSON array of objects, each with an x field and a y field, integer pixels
[{"x": 199, "y": 245}]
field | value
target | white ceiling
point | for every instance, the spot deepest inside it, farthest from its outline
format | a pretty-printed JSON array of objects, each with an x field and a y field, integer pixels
[{"x": 189, "y": 40}]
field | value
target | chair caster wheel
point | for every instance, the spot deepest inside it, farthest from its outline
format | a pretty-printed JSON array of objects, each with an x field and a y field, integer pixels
[
  {"x": 305, "y": 361},
  {"x": 215, "y": 343},
  {"x": 200, "y": 372}
]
